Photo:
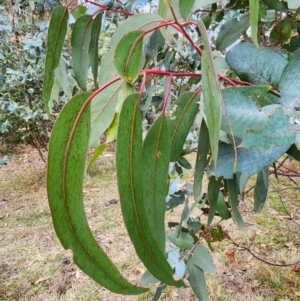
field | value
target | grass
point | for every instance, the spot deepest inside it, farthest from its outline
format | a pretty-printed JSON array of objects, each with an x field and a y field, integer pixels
[{"x": 34, "y": 266}]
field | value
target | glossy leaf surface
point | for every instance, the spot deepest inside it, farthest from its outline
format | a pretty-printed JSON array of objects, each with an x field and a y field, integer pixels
[{"x": 66, "y": 165}]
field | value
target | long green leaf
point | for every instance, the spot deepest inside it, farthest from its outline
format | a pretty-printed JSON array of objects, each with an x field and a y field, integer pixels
[
  {"x": 129, "y": 161},
  {"x": 254, "y": 16},
  {"x": 233, "y": 199},
  {"x": 156, "y": 157},
  {"x": 211, "y": 94},
  {"x": 213, "y": 194},
  {"x": 94, "y": 46},
  {"x": 261, "y": 189},
  {"x": 201, "y": 160},
  {"x": 80, "y": 42},
  {"x": 185, "y": 7},
  {"x": 66, "y": 165},
  {"x": 128, "y": 55},
  {"x": 55, "y": 42},
  {"x": 180, "y": 119}
]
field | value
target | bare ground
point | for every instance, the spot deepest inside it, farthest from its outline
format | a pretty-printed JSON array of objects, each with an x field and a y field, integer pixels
[{"x": 34, "y": 266}]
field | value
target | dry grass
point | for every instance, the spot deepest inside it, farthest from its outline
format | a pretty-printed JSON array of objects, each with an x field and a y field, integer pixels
[{"x": 34, "y": 266}]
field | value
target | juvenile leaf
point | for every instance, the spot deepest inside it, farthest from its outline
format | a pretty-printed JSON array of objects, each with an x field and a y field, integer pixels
[
  {"x": 180, "y": 119},
  {"x": 290, "y": 83},
  {"x": 94, "y": 46},
  {"x": 281, "y": 32},
  {"x": 62, "y": 77},
  {"x": 128, "y": 55},
  {"x": 147, "y": 279},
  {"x": 259, "y": 66},
  {"x": 185, "y": 7},
  {"x": 66, "y": 165},
  {"x": 184, "y": 241},
  {"x": 156, "y": 157},
  {"x": 261, "y": 189},
  {"x": 277, "y": 132},
  {"x": 55, "y": 42},
  {"x": 211, "y": 94},
  {"x": 197, "y": 281},
  {"x": 203, "y": 259},
  {"x": 201, "y": 161},
  {"x": 254, "y": 16},
  {"x": 80, "y": 42},
  {"x": 129, "y": 161},
  {"x": 231, "y": 31},
  {"x": 250, "y": 161},
  {"x": 233, "y": 200},
  {"x": 243, "y": 108},
  {"x": 213, "y": 194}
]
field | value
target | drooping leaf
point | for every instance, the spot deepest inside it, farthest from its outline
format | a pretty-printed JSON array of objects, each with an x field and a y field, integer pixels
[
  {"x": 55, "y": 42},
  {"x": 254, "y": 17},
  {"x": 290, "y": 83},
  {"x": 185, "y": 7},
  {"x": 276, "y": 4},
  {"x": 233, "y": 201},
  {"x": 183, "y": 241},
  {"x": 277, "y": 132},
  {"x": 129, "y": 55},
  {"x": 94, "y": 46},
  {"x": 62, "y": 77},
  {"x": 212, "y": 96},
  {"x": 197, "y": 281},
  {"x": 213, "y": 194},
  {"x": 243, "y": 109},
  {"x": 222, "y": 208},
  {"x": 201, "y": 160},
  {"x": 180, "y": 119},
  {"x": 281, "y": 32},
  {"x": 259, "y": 66},
  {"x": 129, "y": 161},
  {"x": 103, "y": 110},
  {"x": 80, "y": 42},
  {"x": 97, "y": 153},
  {"x": 203, "y": 259},
  {"x": 248, "y": 160},
  {"x": 158, "y": 292},
  {"x": 66, "y": 165},
  {"x": 261, "y": 189},
  {"x": 231, "y": 31},
  {"x": 156, "y": 158}
]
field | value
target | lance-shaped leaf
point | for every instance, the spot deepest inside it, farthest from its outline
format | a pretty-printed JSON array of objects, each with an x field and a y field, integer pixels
[
  {"x": 66, "y": 165},
  {"x": 212, "y": 96},
  {"x": 231, "y": 31},
  {"x": 261, "y": 189},
  {"x": 180, "y": 119},
  {"x": 185, "y": 7},
  {"x": 254, "y": 16},
  {"x": 55, "y": 42},
  {"x": 276, "y": 4},
  {"x": 80, "y": 42},
  {"x": 162, "y": 8},
  {"x": 222, "y": 208},
  {"x": 156, "y": 157},
  {"x": 196, "y": 279},
  {"x": 290, "y": 83},
  {"x": 128, "y": 55},
  {"x": 97, "y": 153},
  {"x": 261, "y": 66},
  {"x": 233, "y": 200},
  {"x": 201, "y": 160},
  {"x": 213, "y": 194},
  {"x": 278, "y": 131},
  {"x": 103, "y": 110},
  {"x": 129, "y": 161},
  {"x": 62, "y": 77},
  {"x": 94, "y": 46}
]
